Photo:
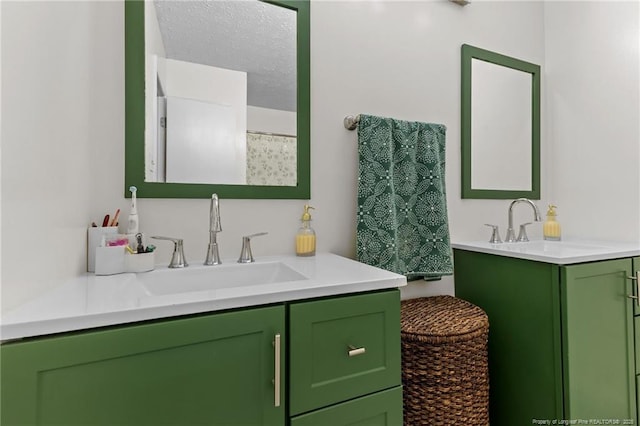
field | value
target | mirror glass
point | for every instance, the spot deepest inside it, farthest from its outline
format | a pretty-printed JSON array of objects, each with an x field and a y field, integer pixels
[
  {"x": 225, "y": 98},
  {"x": 500, "y": 126}
]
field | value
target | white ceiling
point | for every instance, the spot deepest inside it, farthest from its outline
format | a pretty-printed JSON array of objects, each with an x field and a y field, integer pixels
[{"x": 241, "y": 35}]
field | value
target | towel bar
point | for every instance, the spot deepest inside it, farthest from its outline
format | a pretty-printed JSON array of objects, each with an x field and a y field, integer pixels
[{"x": 351, "y": 122}]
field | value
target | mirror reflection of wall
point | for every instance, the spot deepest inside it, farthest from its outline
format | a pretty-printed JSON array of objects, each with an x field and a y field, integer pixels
[
  {"x": 220, "y": 93},
  {"x": 500, "y": 127}
]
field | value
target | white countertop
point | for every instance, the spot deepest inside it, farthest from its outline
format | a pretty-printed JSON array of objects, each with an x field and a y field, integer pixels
[
  {"x": 557, "y": 252},
  {"x": 96, "y": 301}
]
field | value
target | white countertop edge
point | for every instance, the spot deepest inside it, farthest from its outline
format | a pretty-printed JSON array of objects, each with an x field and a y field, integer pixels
[
  {"x": 63, "y": 325},
  {"x": 40, "y": 327},
  {"x": 613, "y": 250}
]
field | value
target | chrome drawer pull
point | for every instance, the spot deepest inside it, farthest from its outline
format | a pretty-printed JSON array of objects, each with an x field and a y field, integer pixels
[
  {"x": 276, "y": 381},
  {"x": 637, "y": 280},
  {"x": 353, "y": 351}
]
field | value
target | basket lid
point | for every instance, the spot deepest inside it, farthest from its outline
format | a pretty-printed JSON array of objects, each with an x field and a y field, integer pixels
[{"x": 441, "y": 317}]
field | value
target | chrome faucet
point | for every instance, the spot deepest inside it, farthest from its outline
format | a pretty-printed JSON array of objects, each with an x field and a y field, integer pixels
[
  {"x": 213, "y": 256},
  {"x": 177, "y": 259},
  {"x": 511, "y": 237}
]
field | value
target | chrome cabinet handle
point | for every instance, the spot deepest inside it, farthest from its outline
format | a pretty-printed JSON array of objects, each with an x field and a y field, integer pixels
[
  {"x": 353, "y": 351},
  {"x": 276, "y": 381},
  {"x": 637, "y": 280}
]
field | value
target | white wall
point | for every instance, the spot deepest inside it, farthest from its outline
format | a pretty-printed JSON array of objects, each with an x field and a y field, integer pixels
[
  {"x": 63, "y": 128},
  {"x": 0, "y": 160},
  {"x": 402, "y": 60},
  {"x": 593, "y": 75},
  {"x": 271, "y": 120},
  {"x": 62, "y": 137}
]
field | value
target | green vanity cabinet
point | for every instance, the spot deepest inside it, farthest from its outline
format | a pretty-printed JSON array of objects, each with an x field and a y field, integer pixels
[
  {"x": 215, "y": 369},
  {"x": 249, "y": 367},
  {"x": 561, "y": 338}
]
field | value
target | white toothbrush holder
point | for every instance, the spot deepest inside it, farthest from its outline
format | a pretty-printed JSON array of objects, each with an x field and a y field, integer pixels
[
  {"x": 140, "y": 262},
  {"x": 110, "y": 260},
  {"x": 94, "y": 240},
  {"x": 115, "y": 260}
]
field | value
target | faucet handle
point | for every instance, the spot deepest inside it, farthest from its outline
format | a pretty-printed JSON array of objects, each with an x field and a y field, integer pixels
[
  {"x": 522, "y": 235},
  {"x": 495, "y": 235},
  {"x": 214, "y": 214},
  {"x": 177, "y": 259},
  {"x": 245, "y": 254}
]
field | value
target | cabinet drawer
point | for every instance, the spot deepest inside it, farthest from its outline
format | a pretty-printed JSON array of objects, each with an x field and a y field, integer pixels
[
  {"x": 380, "y": 409},
  {"x": 343, "y": 348}
]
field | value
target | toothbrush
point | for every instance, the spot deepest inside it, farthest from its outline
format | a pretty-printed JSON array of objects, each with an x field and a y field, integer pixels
[
  {"x": 114, "y": 221},
  {"x": 133, "y": 214}
]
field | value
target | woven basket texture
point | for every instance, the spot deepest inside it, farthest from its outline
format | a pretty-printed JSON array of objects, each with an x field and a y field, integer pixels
[{"x": 445, "y": 371}]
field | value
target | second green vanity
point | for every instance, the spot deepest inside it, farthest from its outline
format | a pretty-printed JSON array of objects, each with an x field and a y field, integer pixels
[
  {"x": 332, "y": 360},
  {"x": 561, "y": 340}
]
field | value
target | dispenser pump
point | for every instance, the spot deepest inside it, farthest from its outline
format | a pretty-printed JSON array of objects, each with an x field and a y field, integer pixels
[
  {"x": 306, "y": 236},
  {"x": 551, "y": 227},
  {"x": 306, "y": 215}
]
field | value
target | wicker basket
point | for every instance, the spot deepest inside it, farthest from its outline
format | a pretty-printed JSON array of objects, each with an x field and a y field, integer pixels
[{"x": 445, "y": 371}]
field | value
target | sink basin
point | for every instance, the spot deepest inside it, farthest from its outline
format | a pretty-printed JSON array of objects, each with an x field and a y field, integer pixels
[{"x": 208, "y": 278}]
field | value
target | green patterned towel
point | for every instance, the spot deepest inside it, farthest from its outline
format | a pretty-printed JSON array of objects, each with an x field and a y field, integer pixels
[{"x": 402, "y": 209}]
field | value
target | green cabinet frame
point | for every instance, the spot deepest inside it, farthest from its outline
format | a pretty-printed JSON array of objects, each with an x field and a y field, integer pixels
[
  {"x": 468, "y": 53},
  {"x": 135, "y": 118}
]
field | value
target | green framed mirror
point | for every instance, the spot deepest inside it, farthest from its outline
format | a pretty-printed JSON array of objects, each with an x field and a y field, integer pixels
[
  {"x": 500, "y": 126},
  {"x": 156, "y": 100}
]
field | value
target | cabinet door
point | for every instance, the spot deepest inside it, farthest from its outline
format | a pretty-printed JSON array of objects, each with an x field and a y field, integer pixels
[
  {"x": 342, "y": 348},
  {"x": 209, "y": 370},
  {"x": 598, "y": 341},
  {"x": 380, "y": 409},
  {"x": 522, "y": 300}
]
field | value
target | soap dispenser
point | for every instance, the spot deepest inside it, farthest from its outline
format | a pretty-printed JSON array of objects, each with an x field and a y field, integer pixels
[
  {"x": 306, "y": 236},
  {"x": 551, "y": 228}
]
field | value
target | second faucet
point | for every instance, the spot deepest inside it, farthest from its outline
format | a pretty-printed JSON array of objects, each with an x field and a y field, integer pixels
[{"x": 511, "y": 237}]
